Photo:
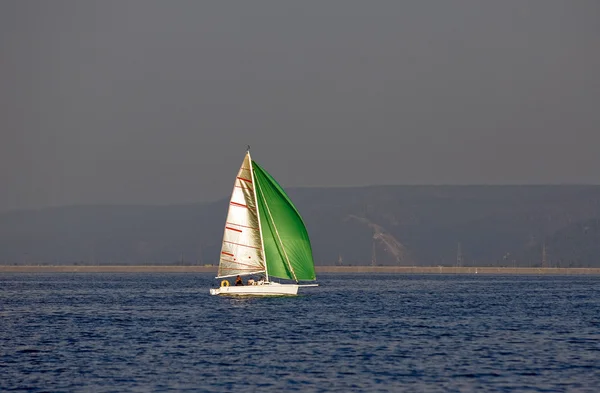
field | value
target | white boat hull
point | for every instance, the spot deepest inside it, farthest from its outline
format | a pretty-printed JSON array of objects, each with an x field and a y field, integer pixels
[{"x": 270, "y": 289}]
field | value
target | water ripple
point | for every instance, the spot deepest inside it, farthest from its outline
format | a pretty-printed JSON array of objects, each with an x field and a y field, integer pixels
[{"x": 163, "y": 332}]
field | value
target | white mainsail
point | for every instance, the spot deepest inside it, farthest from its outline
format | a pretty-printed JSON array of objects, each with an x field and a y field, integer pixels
[{"x": 241, "y": 251}]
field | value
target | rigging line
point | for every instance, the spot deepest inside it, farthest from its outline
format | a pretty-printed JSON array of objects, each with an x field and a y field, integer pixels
[{"x": 278, "y": 237}]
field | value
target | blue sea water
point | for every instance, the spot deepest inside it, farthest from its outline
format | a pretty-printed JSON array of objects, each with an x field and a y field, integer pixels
[{"x": 358, "y": 332}]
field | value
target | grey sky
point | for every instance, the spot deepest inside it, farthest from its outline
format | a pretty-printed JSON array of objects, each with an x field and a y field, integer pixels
[{"x": 154, "y": 101}]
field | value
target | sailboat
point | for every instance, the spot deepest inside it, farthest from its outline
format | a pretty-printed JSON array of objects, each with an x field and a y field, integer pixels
[{"x": 264, "y": 237}]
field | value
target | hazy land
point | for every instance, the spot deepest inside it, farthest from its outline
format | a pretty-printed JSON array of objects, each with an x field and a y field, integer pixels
[{"x": 395, "y": 226}]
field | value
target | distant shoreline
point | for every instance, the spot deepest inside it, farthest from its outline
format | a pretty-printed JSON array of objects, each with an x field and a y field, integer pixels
[{"x": 319, "y": 269}]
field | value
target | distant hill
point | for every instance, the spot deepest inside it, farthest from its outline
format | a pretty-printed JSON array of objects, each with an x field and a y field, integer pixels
[{"x": 387, "y": 225}]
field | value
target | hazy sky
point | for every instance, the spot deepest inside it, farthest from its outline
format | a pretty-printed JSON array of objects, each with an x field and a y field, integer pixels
[{"x": 154, "y": 101}]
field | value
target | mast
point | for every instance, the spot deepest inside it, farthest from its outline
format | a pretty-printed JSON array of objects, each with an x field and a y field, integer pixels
[{"x": 262, "y": 243}]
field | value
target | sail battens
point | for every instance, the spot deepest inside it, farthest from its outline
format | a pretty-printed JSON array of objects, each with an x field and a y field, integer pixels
[
  {"x": 227, "y": 253},
  {"x": 233, "y": 229},
  {"x": 244, "y": 179}
]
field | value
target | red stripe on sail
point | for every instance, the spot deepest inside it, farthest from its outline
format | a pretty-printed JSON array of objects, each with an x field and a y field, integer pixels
[
  {"x": 233, "y": 229},
  {"x": 234, "y": 268},
  {"x": 244, "y": 179},
  {"x": 254, "y": 267},
  {"x": 227, "y": 253},
  {"x": 239, "y": 244},
  {"x": 240, "y": 225},
  {"x": 238, "y": 204}
]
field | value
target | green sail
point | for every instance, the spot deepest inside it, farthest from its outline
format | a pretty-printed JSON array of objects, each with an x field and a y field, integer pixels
[{"x": 288, "y": 253}]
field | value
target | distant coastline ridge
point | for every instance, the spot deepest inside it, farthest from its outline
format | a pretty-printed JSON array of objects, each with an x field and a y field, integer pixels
[{"x": 404, "y": 226}]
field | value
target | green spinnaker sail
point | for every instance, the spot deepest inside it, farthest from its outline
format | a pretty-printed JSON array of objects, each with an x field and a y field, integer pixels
[{"x": 288, "y": 253}]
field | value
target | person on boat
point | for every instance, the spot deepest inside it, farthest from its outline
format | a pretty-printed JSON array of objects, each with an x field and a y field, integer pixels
[{"x": 238, "y": 281}]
